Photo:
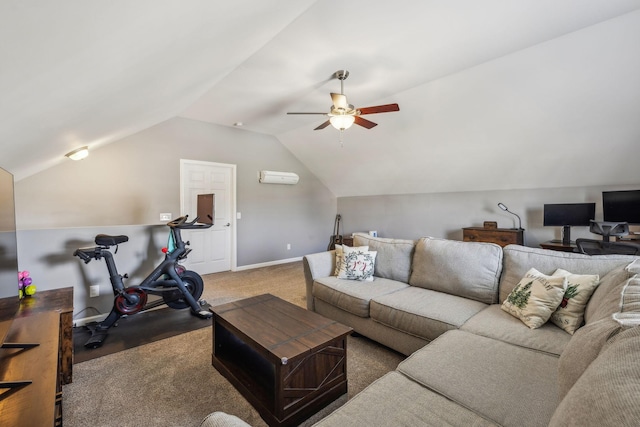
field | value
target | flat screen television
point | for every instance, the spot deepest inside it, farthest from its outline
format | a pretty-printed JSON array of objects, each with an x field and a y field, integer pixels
[
  {"x": 621, "y": 206},
  {"x": 9, "y": 300},
  {"x": 567, "y": 215}
]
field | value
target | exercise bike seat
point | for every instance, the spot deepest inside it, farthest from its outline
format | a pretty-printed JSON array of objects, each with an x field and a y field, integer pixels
[{"x": 107, "y": 240}]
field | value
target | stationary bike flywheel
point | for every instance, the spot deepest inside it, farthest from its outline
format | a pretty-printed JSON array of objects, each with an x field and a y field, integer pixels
[{"x": 138, "y": 300}]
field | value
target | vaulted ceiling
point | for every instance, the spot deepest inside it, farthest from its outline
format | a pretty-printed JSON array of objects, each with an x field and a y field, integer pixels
[{"x": 493, "y": 94}]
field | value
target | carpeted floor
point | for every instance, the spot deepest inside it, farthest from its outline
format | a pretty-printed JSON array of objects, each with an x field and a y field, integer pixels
[{"x": 171, "y": 382}]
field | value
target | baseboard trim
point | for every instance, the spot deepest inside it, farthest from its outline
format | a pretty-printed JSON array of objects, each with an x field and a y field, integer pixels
[
  {"x": 267, "y": 264},
  {"x": 85, "y": 320},
  {"x": 100, "y": 317}
]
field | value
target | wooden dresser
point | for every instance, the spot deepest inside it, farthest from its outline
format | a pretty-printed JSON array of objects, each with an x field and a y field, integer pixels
[
  {"x": 500, "y": 236},
  {"x": 46, "y": 320}
]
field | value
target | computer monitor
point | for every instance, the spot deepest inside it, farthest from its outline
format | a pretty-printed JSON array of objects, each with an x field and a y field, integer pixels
[
  {"x": 621, "y": 206},
  {"x": 566, "y": 215}
]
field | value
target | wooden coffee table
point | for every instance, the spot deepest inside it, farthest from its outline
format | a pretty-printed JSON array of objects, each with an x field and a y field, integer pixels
[{"x": 288, "y": 362}]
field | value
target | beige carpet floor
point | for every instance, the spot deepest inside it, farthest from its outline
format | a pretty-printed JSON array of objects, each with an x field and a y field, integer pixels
[{"x": 171, "y": 382}]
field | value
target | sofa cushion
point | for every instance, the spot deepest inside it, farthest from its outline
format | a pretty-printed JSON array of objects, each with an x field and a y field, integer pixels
[
  {"x": 394, "y": 256},
  {"x": 582, "y": 349},
  {"x": 422, "y": 312},
  {"x": 351, "y": 295},
  {"x": 509, "y": 385},
  {"x": 395, "y": 400},
  {"x": 535, "y": 298},
  {"x": 607, "y": 393},
  {"x": 466, "y": 269},
  {"x": 493, "y": 322},
  {"x": 519, "y": 259},
  {"x": 356, "y": 264},
  {"x": 570, "y": 313},
  {"x": 629, "y": 313},
  {"x": 606, "y": 298},
  {"x": 221, "y": 419}
]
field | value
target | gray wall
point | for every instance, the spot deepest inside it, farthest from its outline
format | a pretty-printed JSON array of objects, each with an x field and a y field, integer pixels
[
  {"x": 445, "y": 214},
  {"x": 122, "y": 187}
]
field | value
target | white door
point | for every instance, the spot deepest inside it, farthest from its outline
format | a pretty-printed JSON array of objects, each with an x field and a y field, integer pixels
[{"x": 212, "y": 247}]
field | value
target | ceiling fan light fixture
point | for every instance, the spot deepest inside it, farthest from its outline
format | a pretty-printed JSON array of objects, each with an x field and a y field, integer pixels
[{"x": 342, "y": 121}]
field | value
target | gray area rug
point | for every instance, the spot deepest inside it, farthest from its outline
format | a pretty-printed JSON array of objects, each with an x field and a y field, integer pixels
[{"x": 171, "y": 382}]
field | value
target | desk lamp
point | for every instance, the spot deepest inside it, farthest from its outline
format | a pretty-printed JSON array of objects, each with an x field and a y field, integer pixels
[{"x": 506, "y": 209}]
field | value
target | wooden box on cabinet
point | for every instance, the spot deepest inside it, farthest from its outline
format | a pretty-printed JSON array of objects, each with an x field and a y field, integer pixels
[{"x": 500, "y": 236}]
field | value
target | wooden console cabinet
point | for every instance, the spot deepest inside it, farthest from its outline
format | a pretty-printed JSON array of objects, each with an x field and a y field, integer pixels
[
  {"x": 500, "y": 236},
  {"x": 45, "y": 319}
]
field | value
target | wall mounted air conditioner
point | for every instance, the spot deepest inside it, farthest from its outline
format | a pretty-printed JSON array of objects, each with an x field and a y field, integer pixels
[{"x": 273, "y": 177}]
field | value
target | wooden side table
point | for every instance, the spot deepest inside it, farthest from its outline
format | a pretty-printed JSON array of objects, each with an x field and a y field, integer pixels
[
  {"x": 500, "y": 236},
  {"x": 559, "y": 246},
  {"x": 348, "y": 241}
]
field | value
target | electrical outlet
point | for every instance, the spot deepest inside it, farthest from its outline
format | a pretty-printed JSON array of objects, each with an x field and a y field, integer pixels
[
  {"x": 288, "y": 246},
  {"x": 165, "y": 217},
  {"x": 94, "y": 291}
]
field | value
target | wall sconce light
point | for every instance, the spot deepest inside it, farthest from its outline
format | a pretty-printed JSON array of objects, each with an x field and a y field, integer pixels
[
  {"x": 78, "y": 153},
  {"x": 506, "y": 209}
]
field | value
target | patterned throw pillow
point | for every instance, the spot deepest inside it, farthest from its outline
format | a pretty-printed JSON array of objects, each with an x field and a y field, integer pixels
[
  {"x": 570, "y": 313},
  {"x": 339, "y": 256},
  {"x": 357, "y": 264},
  {"x": 535, "y": 298}
]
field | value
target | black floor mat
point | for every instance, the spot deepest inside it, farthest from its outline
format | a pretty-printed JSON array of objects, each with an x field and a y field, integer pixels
[{"x": 138, "y": 329}]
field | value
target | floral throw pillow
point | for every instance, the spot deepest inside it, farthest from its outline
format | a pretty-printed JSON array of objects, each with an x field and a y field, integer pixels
[
  {"x": 535, "y": 298},
  {"x": 339, "y": 256},
  {"x": 357, "y": 264},
  {"x": 570, "y": 313}
]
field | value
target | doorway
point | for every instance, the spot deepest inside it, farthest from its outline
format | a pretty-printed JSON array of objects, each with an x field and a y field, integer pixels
[{"x": 213, "y": 249}]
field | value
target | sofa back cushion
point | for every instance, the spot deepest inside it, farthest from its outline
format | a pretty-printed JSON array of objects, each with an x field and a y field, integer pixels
[
  {"x": 466, "y": 269},
  {"x": 606, "y": 298},
  {"x": 607, "y": 392},
  {"x": 394, "y": 256},
  {"x": 582, "y": 349},
  {"x": 629, "y": 313},
  {"x": 519, "y": 259}
]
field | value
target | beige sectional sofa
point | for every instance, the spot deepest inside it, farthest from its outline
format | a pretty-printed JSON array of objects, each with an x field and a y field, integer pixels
[{"x": 472, "y": 363}]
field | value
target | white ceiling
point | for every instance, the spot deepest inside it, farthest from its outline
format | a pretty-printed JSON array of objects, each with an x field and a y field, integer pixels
[{"x": 493, "y": 94}]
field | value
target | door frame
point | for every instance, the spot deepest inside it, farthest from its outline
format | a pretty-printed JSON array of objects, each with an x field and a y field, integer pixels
[{"x": 233, "y": 234}]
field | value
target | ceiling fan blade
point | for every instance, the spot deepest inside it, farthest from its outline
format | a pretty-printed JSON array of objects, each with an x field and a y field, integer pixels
[
  {"x": 364, "y": 122},
  {"x": 339, "y": 101},
  {"x": 387, "y": 108},
  {"x": 324, "y": 125},
  {"x": 324, "y": 114}
]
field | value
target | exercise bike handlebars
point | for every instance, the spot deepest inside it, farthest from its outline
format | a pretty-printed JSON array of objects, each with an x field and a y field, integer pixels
[{"x": 181, "y": 222}]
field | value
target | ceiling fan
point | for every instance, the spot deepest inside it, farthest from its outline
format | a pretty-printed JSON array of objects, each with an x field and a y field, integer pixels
[{"x": 342, "y": 114}]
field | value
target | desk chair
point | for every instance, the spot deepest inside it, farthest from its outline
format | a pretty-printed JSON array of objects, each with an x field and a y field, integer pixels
[{"x": 600, "y": 247}]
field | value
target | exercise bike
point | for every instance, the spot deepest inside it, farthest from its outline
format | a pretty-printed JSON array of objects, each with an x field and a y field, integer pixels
[{"x": 178, "y": 287}]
